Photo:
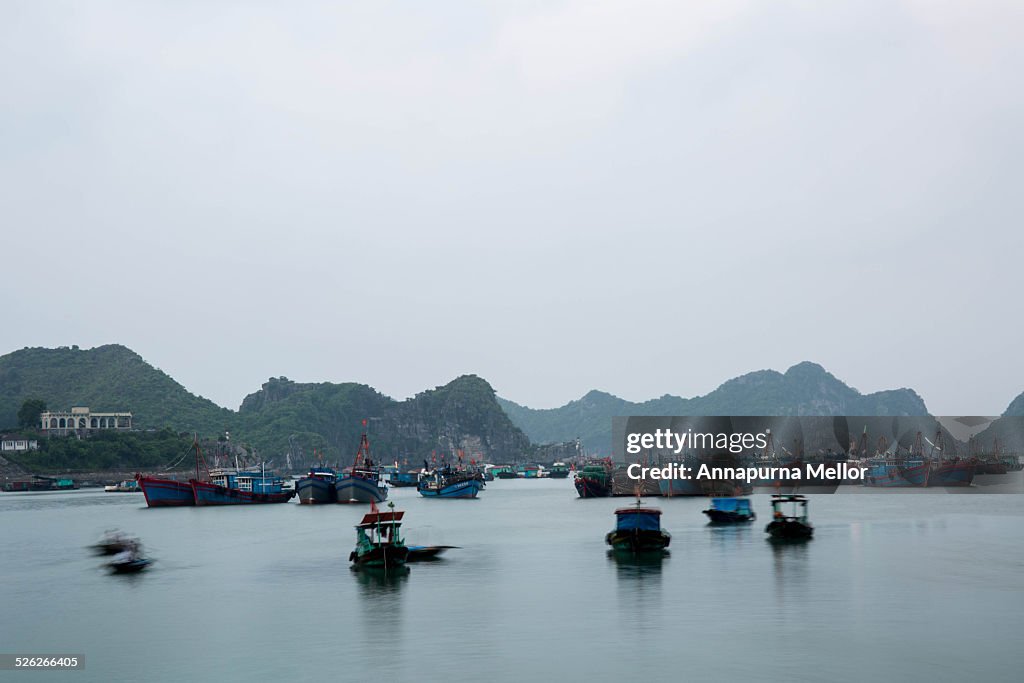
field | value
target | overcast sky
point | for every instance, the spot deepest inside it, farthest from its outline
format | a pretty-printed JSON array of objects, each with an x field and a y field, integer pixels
[{"x": 640, "y": 197}]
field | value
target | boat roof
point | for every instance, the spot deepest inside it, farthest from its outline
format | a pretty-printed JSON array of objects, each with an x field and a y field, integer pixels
[
  {"x": 638, "y": 511},
  {"x": 374, "y": 518},
  {"x": 788, "y": 498}
]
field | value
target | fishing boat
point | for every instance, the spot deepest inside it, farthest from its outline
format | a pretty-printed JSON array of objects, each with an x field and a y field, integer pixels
[
  {"x": 730, "y": 511},
  {"x": 161, "y": 492},
  {"x": 793, "y": 526},
  {"x": 405, "y": 479},
  {"x": 638, "y": 530},
  {"x": 559, "y": 470},
  {"x": 364, "y": 481},
  {"x": 528, "y": 471},
  {"x": 240, "y": 487},
  {"x": 504, "y": 471},
  {"x": 317, "y": 487},
  {"x": 126, "y": 486},
  {"x": 450, "y": 483},
  {"x": 594, "y": 480},
  {"x": 893, "y": 472},
  {"x": 379, "y": 542}
]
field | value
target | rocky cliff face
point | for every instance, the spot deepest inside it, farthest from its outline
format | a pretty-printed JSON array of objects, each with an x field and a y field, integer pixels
[{"x": 461, "y": 416}]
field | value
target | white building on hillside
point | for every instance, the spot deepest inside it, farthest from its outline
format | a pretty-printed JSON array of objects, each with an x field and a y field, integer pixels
[{"x": 61, "y": 422}]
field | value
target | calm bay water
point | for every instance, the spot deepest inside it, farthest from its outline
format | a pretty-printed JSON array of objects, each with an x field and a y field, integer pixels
[{"x": 921, "y": 587}]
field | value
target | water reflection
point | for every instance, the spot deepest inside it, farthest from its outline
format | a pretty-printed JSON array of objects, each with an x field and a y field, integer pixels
[
  {"x": 637, "y": 566},
  {"x": 789, "y": 562},
  {"x": 377, "y": 582}
]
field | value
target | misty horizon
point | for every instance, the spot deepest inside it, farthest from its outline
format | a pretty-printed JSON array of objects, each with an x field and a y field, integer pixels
[{"x": 645, "y": 198}]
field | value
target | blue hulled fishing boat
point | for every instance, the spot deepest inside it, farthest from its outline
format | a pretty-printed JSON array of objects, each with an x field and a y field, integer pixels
[
  {"x": 364, "y": 482},
  {"x": 317, "y": 487},
  {"x": 730, "y": 511},
  {"x": 240, "y": 487},
  {"x": 638, "y": 530},
  {"x": 449, "y": 483}
]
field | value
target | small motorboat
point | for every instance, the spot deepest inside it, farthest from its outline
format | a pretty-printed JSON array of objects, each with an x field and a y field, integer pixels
[
  {"x": 130, "y": 566},
  {"x": 638, "y": 530},
  {"x": 794, "y": 526},
  {"x": 425, "y": 553},
  {"x": 129, "y": 560},
  {"x": 730, "y": 511},
  {"x": 378, "y": 539}
]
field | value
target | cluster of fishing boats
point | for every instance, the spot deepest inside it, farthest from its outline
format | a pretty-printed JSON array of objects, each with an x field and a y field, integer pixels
[{"x": 638, "y": 528}]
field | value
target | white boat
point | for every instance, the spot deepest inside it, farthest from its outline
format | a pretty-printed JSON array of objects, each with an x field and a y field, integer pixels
[{"x": 126, "y": 486}]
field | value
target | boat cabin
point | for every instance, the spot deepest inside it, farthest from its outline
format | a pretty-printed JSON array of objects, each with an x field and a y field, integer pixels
[
  {"x": 638, "y": 518},
  {"x": 795, "y": 505},
  {"x": 252, "y": 482}
]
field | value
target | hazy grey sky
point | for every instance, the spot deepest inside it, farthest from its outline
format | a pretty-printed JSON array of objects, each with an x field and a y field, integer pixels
[{"x": 641, "y": 197}]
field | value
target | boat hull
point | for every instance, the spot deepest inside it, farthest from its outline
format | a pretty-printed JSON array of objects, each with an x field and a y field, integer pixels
[
  {"x": 315, "y": 491},
  {"x": 358, "y": 490},
  {"x": 729, "y": 516},
  {"x": 890, "y": 476},
  {"x": 385, "y": 556},
  {"x": 592, "y": 488},
  {"x": 638, "y": 540},
  {"x": 789, "y": 530},
  {"x": 207, "y": 494},
  {"x": 161, "y": 493},
  {"x": 462, "y": 489},
  {"x": 129, "y": 566},
  {"x": 952, "y": 474}
]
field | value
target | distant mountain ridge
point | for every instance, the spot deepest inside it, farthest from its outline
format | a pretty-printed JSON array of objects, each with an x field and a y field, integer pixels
[
  {"x": 804, "y": 389},
  {"x": 283, "y": 417},
  {"x": 463, "y": 415}
]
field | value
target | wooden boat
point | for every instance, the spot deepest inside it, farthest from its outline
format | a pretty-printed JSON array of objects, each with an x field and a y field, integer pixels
[
  {"x": 504, "y": 471},
  {"x": 450, "y": 483},
  {"x": 160, "y": 492},
  {"x": 317, "y": 487},
  {"x": 405, "y": 479},
  {"x": 559, "y": 470},
  {"x": 730, "y": 511},
  {"x": 232, "y": 487},
  {"x": 638, "y": 530},
  {"x": 594, "y": 480},
  {"x": 794, "y": 526},
  {"x": 378, "y": 539},
  {"x": 364, "y": 482},
  {"x": 424, "y": 553},
  {"x": 163, "y": 492}
]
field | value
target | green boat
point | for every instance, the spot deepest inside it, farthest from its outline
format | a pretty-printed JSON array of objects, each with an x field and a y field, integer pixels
[
  {"x": 379, "y": 542},
  {"x": 559, "y": 470}
]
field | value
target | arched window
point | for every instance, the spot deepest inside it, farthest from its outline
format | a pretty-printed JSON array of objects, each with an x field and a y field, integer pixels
[
  {"x": 53, "y": 423},
  {"x": 81, "y": 423},
  {"x": 94, "y": 423},
  {"x": 62, "y": 424}
]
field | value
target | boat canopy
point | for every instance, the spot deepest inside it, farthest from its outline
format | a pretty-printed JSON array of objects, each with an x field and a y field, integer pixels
[
  {"x": 374, "y": 518},
  {"x": 731, "y": 504},
  {"x": 643, "y": 519}
]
